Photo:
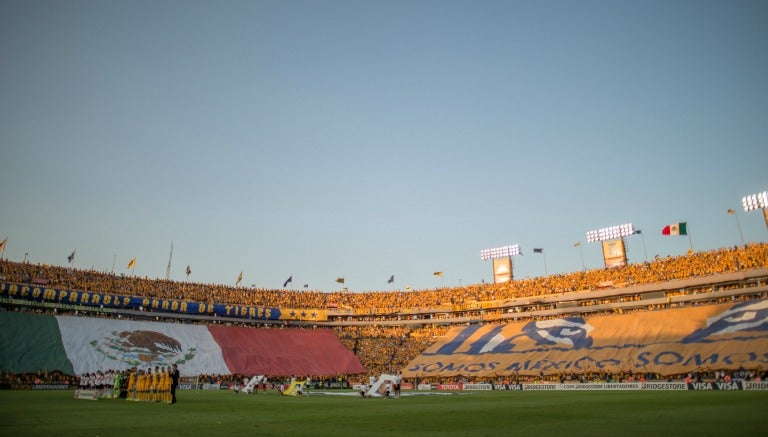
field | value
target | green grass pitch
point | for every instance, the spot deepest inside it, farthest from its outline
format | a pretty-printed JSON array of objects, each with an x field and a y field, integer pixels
[{"x": 200, "y": 413}]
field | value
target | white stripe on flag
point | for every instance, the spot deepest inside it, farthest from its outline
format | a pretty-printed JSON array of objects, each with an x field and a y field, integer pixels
[{"x": 102, "y": 344}]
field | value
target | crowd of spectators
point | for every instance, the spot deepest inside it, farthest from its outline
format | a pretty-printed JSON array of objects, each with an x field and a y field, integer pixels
[
  {"x": 41, "y": 377},
  {"x": 387, "y": 349},
  {"x": 387, "y": 302},
  {"x": 588, "y": 377}
]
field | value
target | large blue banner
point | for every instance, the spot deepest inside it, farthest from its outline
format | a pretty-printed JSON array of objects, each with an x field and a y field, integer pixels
[
  {"x": 667, "y": 342},
  {"x": 105, "y": 300}
]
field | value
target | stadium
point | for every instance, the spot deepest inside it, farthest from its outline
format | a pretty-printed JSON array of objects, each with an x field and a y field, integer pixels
[
  {"x": 691, "y": 323},
  {"x": 699, "y": 317},
  {"x": 347, "y": 162}
]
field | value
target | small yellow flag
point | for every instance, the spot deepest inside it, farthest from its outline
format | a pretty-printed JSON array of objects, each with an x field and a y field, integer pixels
[
  {"x": 438, "y": 273},
  {"x": 132, "y": 263}
]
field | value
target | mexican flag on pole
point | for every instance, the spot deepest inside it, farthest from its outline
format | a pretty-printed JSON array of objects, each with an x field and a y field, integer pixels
[{"x": 675, "y": 229}]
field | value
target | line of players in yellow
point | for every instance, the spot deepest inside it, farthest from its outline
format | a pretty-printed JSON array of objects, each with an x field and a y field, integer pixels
[{"x": 154, "y": 385}]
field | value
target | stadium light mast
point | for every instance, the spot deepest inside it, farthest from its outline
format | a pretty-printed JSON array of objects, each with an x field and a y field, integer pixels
[
  {"x": 612, "y": 239},
  {"x": 757, "y": 201},
  {"x": 501, "y": 261}
]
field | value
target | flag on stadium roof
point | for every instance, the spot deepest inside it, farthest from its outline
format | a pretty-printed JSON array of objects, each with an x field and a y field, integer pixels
[
  {"x": 189, "y": 270},
  {"x": 675, "y": 229},
  {"x": 577, "y": 244},
  {"x": 731, "y": 212},
  {"x": 538, "y": 250},
  {"x": 2, "y": 245},
  {"x": 132, "y": 263},
  {"x": 290, "y": 279},
  {"x": 239, "y": 278},
  {"x": 340, "y": 280},
  {"x": 438, "y": 273},
  {"x": 71, "y": 256},
  {"x": 391, "y": 279}
]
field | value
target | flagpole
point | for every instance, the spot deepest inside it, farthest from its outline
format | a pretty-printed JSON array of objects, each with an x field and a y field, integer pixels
[
  {"x": 741, "y": 234},
  {"x": 544, "y": 255},
  {"x": 114, "y": 259},
  {"x": 168, "y": 269},
  {"x": 687, "y": 231},
  {"x": 645, "y": 252},
  {"x": 581, "y": 253},
  {"x": 736, "y": 216}
]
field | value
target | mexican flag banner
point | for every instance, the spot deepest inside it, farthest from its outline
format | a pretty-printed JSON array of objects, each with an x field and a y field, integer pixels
[
  {"x": 78, "y": 345},
  {"x": 675, "y": 229}
]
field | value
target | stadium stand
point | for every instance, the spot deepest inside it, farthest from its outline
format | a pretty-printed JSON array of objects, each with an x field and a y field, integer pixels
[{"x": 387, "y": 330}]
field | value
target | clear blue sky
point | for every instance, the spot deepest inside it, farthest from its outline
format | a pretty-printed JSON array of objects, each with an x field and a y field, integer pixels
[{"x": 321, "y": 139}]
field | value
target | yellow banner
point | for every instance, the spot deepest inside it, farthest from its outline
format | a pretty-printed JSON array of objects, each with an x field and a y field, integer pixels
[
  {"x": 667, "y": 342},
  {"x": 311, "y": 315}
]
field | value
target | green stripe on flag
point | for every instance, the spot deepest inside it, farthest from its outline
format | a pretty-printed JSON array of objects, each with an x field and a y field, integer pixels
[
  {"x": 29, "y": 343},
  {"x": 683, "y": 230}
]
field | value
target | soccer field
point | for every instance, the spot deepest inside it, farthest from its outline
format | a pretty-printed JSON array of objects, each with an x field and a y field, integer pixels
[{"x": 52, "y": 413}]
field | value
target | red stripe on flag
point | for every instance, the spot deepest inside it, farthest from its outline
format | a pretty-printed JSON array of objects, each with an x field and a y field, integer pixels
[{"x": 284, "y": 352}]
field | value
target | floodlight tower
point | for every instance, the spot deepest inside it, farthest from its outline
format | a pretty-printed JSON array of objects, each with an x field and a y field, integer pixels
[
  {"x": 757, "y": 201},
  {"x": 612, "y": 238},
  {"x": 502, "y": 261}
]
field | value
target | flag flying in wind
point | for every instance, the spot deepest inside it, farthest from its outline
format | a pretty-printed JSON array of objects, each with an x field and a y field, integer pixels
[
  {"x": 189, "y": 270},
  {"x": 239, "y": 278},
  {"x": 675, "y": 229},
  {"x": 731, "y": 212},
  {"x": 391, "y": 279},
  {"x": 71, "y": 256},
  {"x": 290, "y": 279},
  {"x": 438, "y": 273},
  {"x": 340, "y": 280},
  {"x": 2, "y": 244},
  {"x": 132, "y": 263},
  {"x": 538, "y": 250},
  {"x": 577, "y": 244}
]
